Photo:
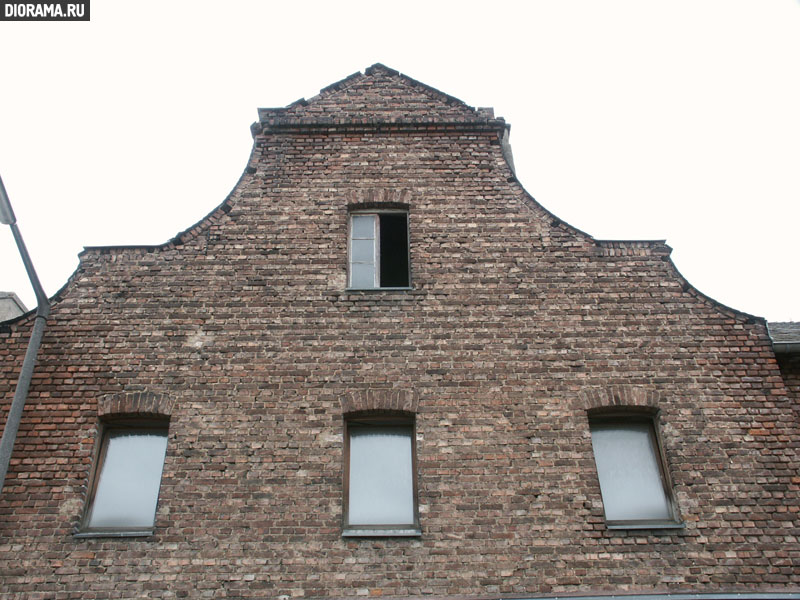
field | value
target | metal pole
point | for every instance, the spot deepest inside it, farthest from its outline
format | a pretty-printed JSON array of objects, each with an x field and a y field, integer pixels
[{"x": 26, "y": 373}]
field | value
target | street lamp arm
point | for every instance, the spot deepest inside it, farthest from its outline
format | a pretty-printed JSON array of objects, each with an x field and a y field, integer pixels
[
  {"x": 43, "y": 303},
  {"x": 6, "y": 212},
  {"x": 26, "y": 373}
]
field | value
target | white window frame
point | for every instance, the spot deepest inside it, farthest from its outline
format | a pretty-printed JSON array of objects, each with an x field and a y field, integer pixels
[{"x": 376, "y": 247}]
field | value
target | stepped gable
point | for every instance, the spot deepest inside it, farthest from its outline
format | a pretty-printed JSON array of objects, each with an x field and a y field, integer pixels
[{"x": 379, "y": 95}]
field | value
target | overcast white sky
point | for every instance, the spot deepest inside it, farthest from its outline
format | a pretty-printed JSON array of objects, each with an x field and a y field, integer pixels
[{"x": 640, "y": 119}]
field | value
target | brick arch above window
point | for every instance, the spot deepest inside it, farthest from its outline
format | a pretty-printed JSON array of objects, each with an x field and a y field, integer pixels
[
  {"x": 619, "y": 395},
  {"x": 361, "y": 199},
  {"x": 136, "y": 403},
  {"x": 380, "y": 399}
]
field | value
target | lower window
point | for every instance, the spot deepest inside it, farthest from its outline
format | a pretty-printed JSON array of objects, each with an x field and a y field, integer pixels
[
  {"x": 380, "y": 482},
  {"x": 634, "y": 480},
  {"x": 127, "y": 477}
]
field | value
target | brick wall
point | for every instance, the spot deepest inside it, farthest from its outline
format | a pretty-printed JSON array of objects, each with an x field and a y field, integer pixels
[{"x": 243, "y": 332}]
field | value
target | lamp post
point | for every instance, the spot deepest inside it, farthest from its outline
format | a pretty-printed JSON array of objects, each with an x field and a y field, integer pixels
[{"x": 42, "y": 312}]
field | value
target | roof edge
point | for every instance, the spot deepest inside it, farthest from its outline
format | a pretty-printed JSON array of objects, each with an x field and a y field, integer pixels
[
  {"x": 430, "y": 89},
  {"x": 656, "y": 244},
  {"x": 179, "y": 239},
  {"x": 289, "y": 124},
  {"x": 183, "y": 236},
  {"x": 790, "y": 594},
  {"x": 265, "y": 114},
  {"x": 786, "y": 347},
  {"x": 785, "y": 336},
  {"x": 15, "y": 299},
  {"x": 690, "y": 288}
]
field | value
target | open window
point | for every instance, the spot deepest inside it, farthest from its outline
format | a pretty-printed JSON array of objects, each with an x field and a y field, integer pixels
[
  {"x": 378, "y": 250},
  {"x": 380, "y": 492},
  {"x": 634, "y": 480},
  {"x": 126, "y": 479}
]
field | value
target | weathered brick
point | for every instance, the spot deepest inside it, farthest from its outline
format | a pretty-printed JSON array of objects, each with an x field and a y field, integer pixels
[{"x": 242, "y": 331}]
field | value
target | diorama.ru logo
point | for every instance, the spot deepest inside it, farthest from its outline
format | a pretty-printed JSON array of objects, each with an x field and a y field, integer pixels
[{"x": 45, "y": 11}]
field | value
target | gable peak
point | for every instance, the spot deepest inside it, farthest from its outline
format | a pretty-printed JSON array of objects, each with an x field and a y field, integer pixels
[{"x": 378, "y": 95}]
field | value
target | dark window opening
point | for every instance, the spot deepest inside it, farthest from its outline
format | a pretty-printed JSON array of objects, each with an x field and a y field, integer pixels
[{"x": 394, "y": 250}]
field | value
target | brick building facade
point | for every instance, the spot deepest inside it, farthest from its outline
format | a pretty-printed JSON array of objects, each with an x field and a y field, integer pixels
[{"x": 381, "y": 368}]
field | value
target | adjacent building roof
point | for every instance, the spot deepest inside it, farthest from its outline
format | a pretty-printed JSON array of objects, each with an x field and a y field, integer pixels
[
  {"x": 785, "y": 336},
  {"x": 10, "y": 306}
]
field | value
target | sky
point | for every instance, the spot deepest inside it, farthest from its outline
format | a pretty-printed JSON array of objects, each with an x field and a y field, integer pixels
[{"x": 638, "y": 119}]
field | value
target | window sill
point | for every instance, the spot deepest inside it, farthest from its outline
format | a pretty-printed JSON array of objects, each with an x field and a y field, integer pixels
[
  {"x": 113, "y": 534},
  {"x": 645, "y": 525},
  {"x": 384, "y": 532}
]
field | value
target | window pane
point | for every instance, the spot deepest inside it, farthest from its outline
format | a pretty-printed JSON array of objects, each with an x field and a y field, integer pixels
[
  {"x": 381, "y": 482},
  {"x": 127, "y": 487},
  {"x": 394, "y": 250},
  {"x": 362, "y": 275},
  {"x": 628, "y": 468},
  {"x": 363, "y": 251},
  {"x": 363, "y": 227}
]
